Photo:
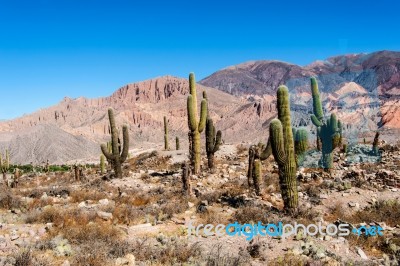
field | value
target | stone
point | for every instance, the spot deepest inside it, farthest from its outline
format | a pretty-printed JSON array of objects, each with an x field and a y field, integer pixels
[
  {"x": 104, "y": 202},
  {"x": 362, "y": 254},
  {"x": 105, "y": 215}
]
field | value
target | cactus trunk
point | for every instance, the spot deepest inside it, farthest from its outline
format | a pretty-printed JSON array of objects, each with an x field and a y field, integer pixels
[
  {"x": 166, "y": 144},
  {"x": 118, "y": 156},
  {"x": 282, "y": 143},
  {"x": 178, "y": 146},
  {"x": 195, "y": 126},
  {"x": 257, "y": 177}
]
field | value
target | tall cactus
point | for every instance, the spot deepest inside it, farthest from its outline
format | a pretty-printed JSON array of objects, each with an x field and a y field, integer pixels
[
  {"x": 195, "y": 126},
  {"x": 166, "y": 145},
  {"x": 213, "y": 141},
  {"x": 116, "y": 156},
  {"x": 177, "y": 144},
  {"x": 282, "y": 144},
  {"x": 328, "y": 130}
]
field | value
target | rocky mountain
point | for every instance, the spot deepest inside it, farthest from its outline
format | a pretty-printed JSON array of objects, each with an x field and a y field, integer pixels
[
  {"x": 375, "y": 71},
  {"x": 361, "y": 89},
  {"x": 74, "y": 128}
]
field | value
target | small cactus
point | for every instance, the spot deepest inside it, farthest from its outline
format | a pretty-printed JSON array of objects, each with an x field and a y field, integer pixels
[
  {"x": 178, "y": 146},
  {"x": 116, "y": 156},
  {"x": 257, "y": 153},
  {"x": 344, "y": 148},
  {"x": 187, "y": 188},
  {"x": 5, "y": 164},
  {"x": 166, "y": 145},
  {"x": 282, "y": 143},
  {"x": 213, "y": 141},
  {"x": 102, "y": 164},
  {"x": 195, "y": 126},
  {"x": 375, "y": 144}
]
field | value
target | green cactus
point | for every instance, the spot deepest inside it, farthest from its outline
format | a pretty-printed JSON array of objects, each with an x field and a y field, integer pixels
[
  {"x": 257, "y": 177},
  {"x": 259, "y": 152},
  {"x": 375, "y": 144},
  {"x": 116, "y": 156},
  {"x": 178, "y": 146},
  {"x": 166, "y": 144},
  {"x": 213, "y": 141},
  {"x": 282, "y": 143},
  {"x": 102, "y": 164},
  {"x": 5, "y": 164},
  {"x": 300, "y": 145},
  {"x": 195, "y": 126},
  {"x": 328, "y": 130},
  {"x": 345, "y": 148}
]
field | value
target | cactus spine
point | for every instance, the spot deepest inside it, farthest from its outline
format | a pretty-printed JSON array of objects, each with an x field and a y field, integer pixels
[
  {"x": 195, "y": 126},
  {"x": 213, "y": 141},
  {"x": 116, "y": 156},
  {"x": 178, "y": 146},
  {"x": 166, "y": 145},
  {"x": 102, "y": 164},
  {"x": 328, "y": 130},
  {"x": 282, "y": 144}
]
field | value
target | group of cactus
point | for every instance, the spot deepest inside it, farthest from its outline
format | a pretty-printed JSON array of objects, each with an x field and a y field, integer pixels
[
  {"x": 166, "y": 141},
  {"x": 197, "y": 126},
  {"x": 329, "y": 129}
]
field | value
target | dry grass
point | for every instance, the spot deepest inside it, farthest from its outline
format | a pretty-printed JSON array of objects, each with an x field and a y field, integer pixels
[
  {"x": 290, "y": 260},
  {"x": 8, "y": 200}
]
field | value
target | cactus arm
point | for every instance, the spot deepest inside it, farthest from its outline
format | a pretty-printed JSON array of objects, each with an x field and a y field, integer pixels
[
  {"x": 277, "y": 143},
  {"x": 317, "y": 105},
  {"x": 217, "y": 141},
  {"x": 315, "y": 121},
  {"x": 210, "y": 135},
  {"x": 267, "y": 151},
  {"x": 108, "y": 155},
  {"x": 191, "y": 112},
  {"x": 203, "y": 115},
  {"x": 334, "y": 123},
  {"x": 125, "y": 150},
  {"x": 193, "y": 92}
]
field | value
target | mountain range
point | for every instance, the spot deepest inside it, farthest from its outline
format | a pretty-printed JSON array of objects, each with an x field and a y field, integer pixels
[{"x": 363, "y": 89}]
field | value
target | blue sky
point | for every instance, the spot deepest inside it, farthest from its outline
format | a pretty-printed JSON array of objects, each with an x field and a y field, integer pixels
[{"x": 51, "y": 49}]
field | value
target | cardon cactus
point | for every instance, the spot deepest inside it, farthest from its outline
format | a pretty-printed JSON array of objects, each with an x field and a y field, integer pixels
[
  {"x": 102, "y": 164},
  {"x": 195, "y": 126},
  {"x": 375, "y": 145},
  {"x": 282, "y": 143},
  {"x": 117, "y": 157},
  {"x": 5, "y": 164},
  {"x": 300, "y": 145},
  {"x": 178, "y": 146},
  {"x": 166, "y": 145},
  {"x": 257, "y": 154},
  {"x": 213, "y": 141},
  {"x": 328, "y": 130}
]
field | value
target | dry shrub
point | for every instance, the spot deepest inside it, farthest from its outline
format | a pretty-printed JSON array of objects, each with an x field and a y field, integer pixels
[
  {"x": 173, "y": 251},
  {"x": 252, "y": 214},
  {"x": 291, "y": 260},
  {"x": 382, "y": 211},
  {"x": 8, "y": 200},
  {"x": 241, "y": 149},
  {"x": 219, "y": 256},
  {"x": 84, "y": 195},
  {"x": 211, "y": 216}
]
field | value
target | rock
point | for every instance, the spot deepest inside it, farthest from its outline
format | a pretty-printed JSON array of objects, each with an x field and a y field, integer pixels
[
  {"x": 323, "y": 196},
  {"x": 362, "y": 254},
  {"x": 105, "y": 215},
  {"x": 104, "y": 202},
  {"x": 66, "y": 263},
  {"x": 82, "y": 204},
  {"x": 190, "y": 204},
  {"x": 44, "y": 196},
  {"x": 354, "y": 204}
]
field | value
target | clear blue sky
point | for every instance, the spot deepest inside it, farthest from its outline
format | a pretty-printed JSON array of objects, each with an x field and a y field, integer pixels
[{"x": 55, "y": 48}]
